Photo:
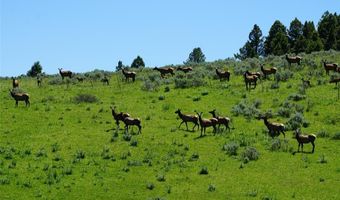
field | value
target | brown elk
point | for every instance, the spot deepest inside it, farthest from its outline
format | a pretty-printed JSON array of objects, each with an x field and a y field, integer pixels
[
  {"x": 105, "y": 80},
  {"x": 330, "y": 67},
  {"x": 129, "y": 121},
  {"x": 303, "y": 139},
  {"x": 293, "y": 59},
  {"x": 222, "y": 74},
  {"x": 164, "y": 71},
  {"x": 80, "y": 79},
  {"x": 258, "y": 74},
  {"x": 249, "y": 80},
  {"x": 118, "y": 116},
  {"x": 221, "y": 120},
  {"x": 20, "y": 97},
  {"x": 336, "y": 81},
  {"x": 65, "y": 73},
  {"x": 187, "y": 118},
  {"x": 269, "y": 71},
  {"x": 274, "y": 128},
  {"x": 15, "y": 83},
  {"x": 128, "y": 75},
  {"x": 185, "y": 69},
  {"x": 204, "y": 123}
]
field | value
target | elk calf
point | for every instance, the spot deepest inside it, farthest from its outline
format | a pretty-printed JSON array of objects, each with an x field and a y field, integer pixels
[
  {"x": 118, "y": 116},
  {"x": 129, "y": 121}
]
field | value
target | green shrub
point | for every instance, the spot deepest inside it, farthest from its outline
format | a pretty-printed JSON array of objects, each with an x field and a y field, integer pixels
[
  {"x": 336, "y": 136},
  {"x": 211, "y": 188},
  {"x": 296, "y": 97},
  {"x": 322, "y": 134},
  {"x": 249, "y": 154},
  {"x": 161, "y": 97},
  {"x": 230, "y": 148},
  {"x": 296, "y": 121},
  {"x": 204, "y": 170},
  {"x": 85, "y": 98}
]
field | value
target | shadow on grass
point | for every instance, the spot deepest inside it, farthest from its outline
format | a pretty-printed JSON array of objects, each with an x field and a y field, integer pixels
[{"x": 294, "y": 152}]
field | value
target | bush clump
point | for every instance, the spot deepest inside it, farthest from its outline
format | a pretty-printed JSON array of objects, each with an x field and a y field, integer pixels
[
  {"x": 85, "y": 98},
  {"x": 296, "y": 121},
  {"x": 231, "y": 148},
  {"x": 296, "y": 97},
  {"x": 249, "y": 154}
]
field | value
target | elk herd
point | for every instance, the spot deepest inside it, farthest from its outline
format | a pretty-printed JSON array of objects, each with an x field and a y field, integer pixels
[{"x": 250, "y": 80}]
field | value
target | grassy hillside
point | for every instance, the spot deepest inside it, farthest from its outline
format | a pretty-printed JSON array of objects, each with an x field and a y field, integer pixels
[{"x": 60, "y": 148}]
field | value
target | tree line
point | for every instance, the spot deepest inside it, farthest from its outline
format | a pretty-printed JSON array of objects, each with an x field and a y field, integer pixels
[{"x": 299, "y": 37}]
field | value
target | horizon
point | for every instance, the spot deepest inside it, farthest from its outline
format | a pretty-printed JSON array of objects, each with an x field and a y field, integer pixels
[{"x": 83, "y": 35}]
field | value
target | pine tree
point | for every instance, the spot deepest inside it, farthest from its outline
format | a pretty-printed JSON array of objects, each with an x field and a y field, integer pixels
[
  {"x": 254, "y": 45},
  {"x": 138, "y": 62},
  {"x": 35, "y": 69},
  {"x": 328, "y": 29},
  {"x": 196, "y": 56},
  {"x": 294, "y": 35},
  {"x": 312, "y": 39},
  {"x": 277, "y": 41}
]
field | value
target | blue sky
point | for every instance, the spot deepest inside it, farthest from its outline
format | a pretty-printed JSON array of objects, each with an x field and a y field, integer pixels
[{"x": 81, "y": 35}]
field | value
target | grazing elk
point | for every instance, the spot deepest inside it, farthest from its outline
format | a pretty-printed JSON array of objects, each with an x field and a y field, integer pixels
[
  {"x": 269, "y": 71},
  {"x": 222, "y": 74},
  {"x": 15, "y": 83},
  {"x": 336, "y": 81},
  {"x": 204, "y": 123},
  {"x": 303, "y": 139},
  {"x": 118, "y": 116},
  {"x": 185, "y": 69},
  {"x": 330, "y": 67},
  {"x": 274, "y": 128},
  {"x": 293, "y": 59},
  {"x": 105, "y": 80},
  {"x": 128, "y": 75},
  {"x": 249, "y": 80},
  {"x": 20, "y": 97},
  {"x": 80, "y": 79},
  {"x": 221, "y": 120},
  {"x": 164, "y": 71},
  {"x": 187, "y": 118},
  {"x": 129, "y": 121},
  {"x": 64, "y": 73}
]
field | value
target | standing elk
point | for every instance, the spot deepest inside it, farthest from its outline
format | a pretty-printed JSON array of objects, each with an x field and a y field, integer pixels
[
  {"x": 118, "y": 116},
  {"x": 204, "y": 123},
  {"x": 15, "y": 82},
  {"x": 185, "y": 69},
  {"x": 274, "y": 128},
  {"x": 258, "y": 74},
  {"x": 249, "y": 80},
  {"x": 20, "y": 97},
  {"x": 129, "y": 121},
  {"x": 221, "y": 120},
  {"x": 330, "y": 67},
  {"x": 164, "y": 71},
  {"x": 129, "y": 74},
  {"x": 269, "y": 71},
  {"x": 336, "y": 81},
  {"x": 293, "y": 59},
  {"x": 105, "y": 80},
  {"x": 303, "y": 139},
  {"x": 65, "y": 73},
  {"x": 188, "y": 118},
  {"x": 222, "y": 74}
]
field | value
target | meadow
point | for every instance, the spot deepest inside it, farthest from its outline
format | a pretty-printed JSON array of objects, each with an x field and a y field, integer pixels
[{"x": 66, "y": 145}]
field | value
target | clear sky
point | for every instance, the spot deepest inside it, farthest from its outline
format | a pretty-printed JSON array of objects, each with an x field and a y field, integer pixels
[{"x": 82, "y": 35}]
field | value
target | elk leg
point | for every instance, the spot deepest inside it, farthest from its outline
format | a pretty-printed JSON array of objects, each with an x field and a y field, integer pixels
[
  {"x": 180, "y": 124},
  {"x": 139, "y": 129},
  {"x": 16, "y": 103},
  {"x": 186, "y": 124},
  {"x": 284, "y": 135},
  {"x": 302, "y": 147},
  {"x": 313, "y": 146}
]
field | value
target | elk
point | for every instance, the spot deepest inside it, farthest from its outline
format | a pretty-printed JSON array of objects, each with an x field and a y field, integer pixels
[
  {"x": 15, "y": 83},
  {"x": 269, "y": 71},
  {"x": 164, "y": 71},
  {"x": 221, "y": 120},
  {"x": 204, "y": 123},
  {"x": 64, "y": 73},
  {"x": 129, "y": 121},
  {"x": 273, "y": 127},
  {"x": 330, "y": 67},
  {"x": 258, "y": 74},
  {"x": 187, "y": 118},
  {"x": 118, "y": 116},
  {"x": 336, "y": 81},
  {"x": 20, "y": 97},
  {"x": 105, "y": 80},
  {"x": 250, "y": 79},
  {"x": 303, "y": 139},
  {"x": 185, "y": 69},
  {"x": 306, "y": 83},
  {"x": 128, "y": 75},
  {"x": 293, "y": 59},
  {"x": 222, "y": 74}
]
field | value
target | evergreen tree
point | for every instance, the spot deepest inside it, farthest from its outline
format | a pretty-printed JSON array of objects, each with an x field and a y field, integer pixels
[
  {"x": 328, "y": 29},
  {"x": 294, "y": 35},
  {"x": 311, "y": 37},
  {"x": 119, "y": 66},
  {"x": 254, "y": 45},
  {"x": 196, "y": 56},
  {"x": 138, "y": 62},
  {"x": 277, "y": 41},
  {"x": 35, "y": 69}
]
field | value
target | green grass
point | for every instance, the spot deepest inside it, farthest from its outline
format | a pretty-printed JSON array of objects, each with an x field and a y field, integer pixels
[{"x": 65, "y": 149}]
